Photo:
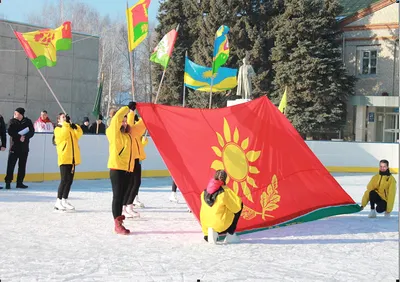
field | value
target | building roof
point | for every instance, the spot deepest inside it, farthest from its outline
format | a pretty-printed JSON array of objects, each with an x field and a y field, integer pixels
[{"x": 350, "y": 7}]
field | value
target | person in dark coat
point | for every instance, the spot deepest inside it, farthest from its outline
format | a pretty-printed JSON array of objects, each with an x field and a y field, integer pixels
[
  {"x": 19, "y": 147},
  {"x": 98, "y": 127},
  {"x": 85, "y": 125},
  {"x": 3, "y": 136}
]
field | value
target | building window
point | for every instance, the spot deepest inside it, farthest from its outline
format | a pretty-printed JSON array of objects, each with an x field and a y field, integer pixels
[{"x": 368, "y": 62}]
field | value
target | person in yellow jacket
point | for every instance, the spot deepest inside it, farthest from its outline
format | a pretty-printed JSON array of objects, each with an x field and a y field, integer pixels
[
  {"x": 220, "y": 210},
  {"x": 66, "y": 136},
  {"x": 135, "y": 179},
  {"x": 121, "y": 161},
  {"x": 381, "y": 191}
]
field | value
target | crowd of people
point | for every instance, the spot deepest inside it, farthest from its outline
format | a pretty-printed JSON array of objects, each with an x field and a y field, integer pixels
[{"x": 220, "y": 206}]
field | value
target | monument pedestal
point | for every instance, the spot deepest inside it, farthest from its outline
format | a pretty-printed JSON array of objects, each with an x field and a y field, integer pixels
[{"x": 236, "y": 102}]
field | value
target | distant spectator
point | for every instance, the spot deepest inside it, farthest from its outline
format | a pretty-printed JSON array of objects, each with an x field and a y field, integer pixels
[
  {"x": 43, "y": 123},
  {"x": 98, "y": 127},
  {"x": 3, "y": 136},
  {"x": 110, "y": 115},
  {"x": 85, "y": 125},
  {"x": 21, "y": 131}
]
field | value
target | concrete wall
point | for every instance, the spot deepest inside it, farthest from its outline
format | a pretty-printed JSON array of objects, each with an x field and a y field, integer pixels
[
  {"x": 73, "y": 79},
  {"x": 336, "y": 156}
]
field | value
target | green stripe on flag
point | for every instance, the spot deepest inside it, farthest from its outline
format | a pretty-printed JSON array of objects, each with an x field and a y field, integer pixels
[{"x": 311, "y": 216}]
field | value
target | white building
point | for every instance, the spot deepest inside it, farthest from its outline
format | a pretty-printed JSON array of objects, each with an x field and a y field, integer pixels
[{"x": 371, "y": 53}]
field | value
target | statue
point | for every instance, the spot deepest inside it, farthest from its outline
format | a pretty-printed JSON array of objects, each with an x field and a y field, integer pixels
[{"x": 246, "y": 72}]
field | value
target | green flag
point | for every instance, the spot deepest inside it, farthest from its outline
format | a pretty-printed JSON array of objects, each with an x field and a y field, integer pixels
[
  {"x": 163, "y": 51},
  {"x": 97, "y": 104}
]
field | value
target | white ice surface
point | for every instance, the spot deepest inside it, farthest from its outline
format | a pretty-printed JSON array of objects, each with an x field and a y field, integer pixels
[{"x": 38, "y": 244}]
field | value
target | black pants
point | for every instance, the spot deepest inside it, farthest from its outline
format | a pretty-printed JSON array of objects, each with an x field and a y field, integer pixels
[
  {"x": 13, "y": 157},
  {"x": 174, "y": 186},
  {"x": 119, "y": 182},
  {"x": 232, "y": 228},
  {"x": 67, "y": 177},
  {"x": 135, "y": 180},
  {"x": 375, "y": 199}
]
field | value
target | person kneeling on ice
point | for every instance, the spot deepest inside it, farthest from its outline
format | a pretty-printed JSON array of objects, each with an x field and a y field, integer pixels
[
  {"x": 66, "y": 136},
  {"x": 381, "y": 191},
  {"x": 220, "y": 210}
]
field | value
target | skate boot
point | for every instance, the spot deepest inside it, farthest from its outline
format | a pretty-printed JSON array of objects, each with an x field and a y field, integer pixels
[
  {"x": 126, "y": 213},
  {"x": 132, "y": 212},
  {"x": 372, "y": 214},
  {"x": 67, "y": 205},
  {"x": 119, "y": 228},
  {"x": 231, "y": 238},
  {"x": 212, "y": 236},
  {"x": 138, "y": 203},
  {"x": 173, "y": 198},
  {"x": 58, "y": 206}
]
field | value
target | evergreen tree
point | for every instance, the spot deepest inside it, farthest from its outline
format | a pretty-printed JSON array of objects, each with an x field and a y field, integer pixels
[
  {"x": 247, "y": 20},
  {"x": 170, "y": 14},
  {"x": 307, "y": 59}
]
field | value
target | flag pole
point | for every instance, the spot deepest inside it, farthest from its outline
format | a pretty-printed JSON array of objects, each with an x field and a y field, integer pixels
[
  {"x": 131, "y": 63},
  {"x": 212, "y": 80},
  {"x": 159, "y": 86},
  {"x": 51, "y": 90},
  {"x": 184, "y": 87},
  {"x": 109, "y": 90},
  {"x": 162, "y": 77},
  {"x": 45, "y": 81}
]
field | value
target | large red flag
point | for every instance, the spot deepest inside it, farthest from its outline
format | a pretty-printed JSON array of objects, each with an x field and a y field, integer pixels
[{"x": 269, "y": 166}]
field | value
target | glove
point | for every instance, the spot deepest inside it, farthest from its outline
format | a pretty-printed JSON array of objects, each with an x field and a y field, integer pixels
[
  {"x": 132, "y": 106},
  {"x": 73, "y": 126},
  {"x": 145, "y": 141},
  {"x": 67, "y": 119},
  {"x": 136, "y": 118}
]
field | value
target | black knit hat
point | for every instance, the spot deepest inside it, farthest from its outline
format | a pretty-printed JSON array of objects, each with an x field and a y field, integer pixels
[
  {"x": 85, "y": 119},
  {"x": 20, "y": 110},
  {"x": 100, "y": 117}
]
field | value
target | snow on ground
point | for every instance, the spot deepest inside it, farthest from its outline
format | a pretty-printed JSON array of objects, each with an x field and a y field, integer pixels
[{"x": 39, "y": 244}]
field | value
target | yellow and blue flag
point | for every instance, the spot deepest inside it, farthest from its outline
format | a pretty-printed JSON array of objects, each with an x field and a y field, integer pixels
[
  {"x": 199, "y": 78},
  {"x": 221, "y": 48}
]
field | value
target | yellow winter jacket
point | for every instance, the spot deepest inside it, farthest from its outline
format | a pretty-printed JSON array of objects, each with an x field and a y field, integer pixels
[
  {"x": 66, "y": 140},
  {"x": 140, "y": 130},
  {"x": 122, "y": 147},
  {"x": 220, "y": 215},
  {"x": 385, "y": 186}
]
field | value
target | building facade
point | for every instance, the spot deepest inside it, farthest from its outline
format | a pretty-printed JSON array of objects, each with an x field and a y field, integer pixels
[
  {"x": 371, "y": 54},
  {"x": 73, "y": 79}
]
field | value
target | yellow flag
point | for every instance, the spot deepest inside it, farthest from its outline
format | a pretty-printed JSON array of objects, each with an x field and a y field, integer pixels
[{"x": 283, "y": 103}]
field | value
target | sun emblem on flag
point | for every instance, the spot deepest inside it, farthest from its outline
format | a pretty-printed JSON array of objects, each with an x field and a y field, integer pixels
[
  {"x": 208, "y": 74},
  {"x": 237, "y": 160}
]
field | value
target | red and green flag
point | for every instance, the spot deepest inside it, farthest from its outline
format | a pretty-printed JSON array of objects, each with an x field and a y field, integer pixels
[
  {"x": 41, "y": 46},
  {"x": 138, "y": 26},
  {"x": 163, "y": 51},
  {"x": 278, "y": 177}
]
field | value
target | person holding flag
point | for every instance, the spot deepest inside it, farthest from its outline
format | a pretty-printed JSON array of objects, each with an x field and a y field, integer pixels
[
  {"x": 123, "y": 151},
  {"x": 66, "y": 136},
  {"x": 135, "y": 180}
]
